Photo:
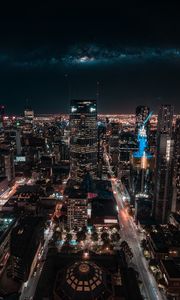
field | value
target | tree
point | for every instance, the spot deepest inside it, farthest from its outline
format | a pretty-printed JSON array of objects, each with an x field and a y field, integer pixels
[
  {"x": 107, "y": 245},
  {"x": 56, "y": 236},
  {"x": 66, "y": 247},
  {"x": 115, "y": 237},
  {"x": 58, "y": 233},
  {"x": 93, "y": 229},
  {"x": 81, "y": 236},
  {"x": 75, "y": 228},
  {"x": 84, "y": 229},
  {"x": 94, "y": 236},
  {"x": 104, "y": 236},
  {"x": 49, "y": 190},
  {"x": 144, "y": 244},
  {"x": 68, "y": 237}
]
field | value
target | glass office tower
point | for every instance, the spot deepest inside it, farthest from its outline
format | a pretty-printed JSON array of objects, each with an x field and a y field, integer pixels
[{"x": 83, "y": 139}]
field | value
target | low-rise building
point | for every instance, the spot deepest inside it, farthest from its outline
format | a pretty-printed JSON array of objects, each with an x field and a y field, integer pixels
[
  {"x": 73, "y": 276},
  {"x": 164, "y": 242},
  {"x": 171, "y": 274},
  {"x": 103, "y": 212},
  {"x": 6, "y": 225},
  {"x": 174, "y": 219}
]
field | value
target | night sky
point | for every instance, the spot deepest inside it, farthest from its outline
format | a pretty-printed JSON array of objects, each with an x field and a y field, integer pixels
[{"x": 50, "y": 53}]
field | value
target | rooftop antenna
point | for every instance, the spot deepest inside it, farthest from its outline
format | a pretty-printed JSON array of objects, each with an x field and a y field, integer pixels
[{"x": 97, "y": 91}]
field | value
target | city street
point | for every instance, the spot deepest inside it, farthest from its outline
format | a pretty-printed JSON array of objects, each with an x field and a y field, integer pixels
[
  {"x": 129, "y": 233},
  {"x": 7, "y": 195},
  {"x": 29, "y": 288},
  {"x": 11, "y": 191}
]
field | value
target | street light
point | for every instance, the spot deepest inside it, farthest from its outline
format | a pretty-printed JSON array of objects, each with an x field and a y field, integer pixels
[{"x": 86, "y": 254}]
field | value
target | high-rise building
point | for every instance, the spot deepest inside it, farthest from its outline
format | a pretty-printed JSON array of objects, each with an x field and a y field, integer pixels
[
  {"x": 114, "y": 146},
  {"x": 7, "y": 164},
  {"x": 28, "y": 114},
  {"x": 101, "y": 139},
  {"x": 164, "y": 154},
  {"x": 77, "y": 211},
  {"x": 142, "y": 168},
  {"x": 1, "y": 116},
  {"x": 14, "y": 137},
  {"x": 127, "y": 144},
  {"x": 25, "y": 243},
  {"x": 83, "y": 139},
  {"x": 2, "y": 125},
  {"x": 176, "y": 168}
]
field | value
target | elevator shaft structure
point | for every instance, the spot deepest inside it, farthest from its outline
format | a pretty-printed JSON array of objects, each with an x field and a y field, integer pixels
[{"x": 142, "y": 141}]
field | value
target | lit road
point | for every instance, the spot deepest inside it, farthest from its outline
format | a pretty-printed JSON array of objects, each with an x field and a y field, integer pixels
[
  {"x": 11, "y": 191},
  {"x": 129, "y": 233},
  {"x": 7, "y": 195},
  {"x": 29, "y": 288}
]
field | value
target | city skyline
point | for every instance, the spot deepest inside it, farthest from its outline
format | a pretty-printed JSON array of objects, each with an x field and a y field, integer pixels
[{"x": 90, "y": 150}]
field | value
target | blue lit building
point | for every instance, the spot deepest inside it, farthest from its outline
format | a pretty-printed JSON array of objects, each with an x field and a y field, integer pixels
[{"x": 142, "y": 168}]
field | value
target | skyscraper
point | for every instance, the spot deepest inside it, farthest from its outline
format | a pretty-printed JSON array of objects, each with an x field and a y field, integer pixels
[
  {"x": 142, "y": 168},
  {"x": 83, "y": 139},
  {"x": 1, "y": 116},
  {"x": 176, "y": 167},
  {"x": 163, "y": 176},
  {"x": 28, "y": 114},
  {"x": 114, "y": 146}
]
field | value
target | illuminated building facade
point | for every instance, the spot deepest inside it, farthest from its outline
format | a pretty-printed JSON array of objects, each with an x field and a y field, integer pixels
[
  {"x": 77, "y": 211},
  {"x": 163, "y": 176},
  {"x": 176, "y": 167},
  {"x": 7, "y": 164},
  {"x": 114, "y": 146},
  {"x": 101, "y": 139},
  {"x": 1, "y": 116},
  {"x": 83, "y": 139},
  {"x": 127, "y": 145},
  {"x": 2, "y": 125},
  {"x": 142, "y": 168},
  {"x": 28, "y": 114}
]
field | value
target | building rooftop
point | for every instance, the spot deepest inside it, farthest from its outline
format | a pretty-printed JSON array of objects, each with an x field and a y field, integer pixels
[
  {"x": 171, "y": 268},
  {"x": 164, "y": 237},
  {"x": 82, "y": 280},
  {"x": 67, "y": 276},
  {"x": 23, "y": 234},
  {"x": 102, "y": 188},
  {"x": 6, "y": 224},
  {"x": 27, "y": 188},
  {"x": 103, "y": 207}
]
